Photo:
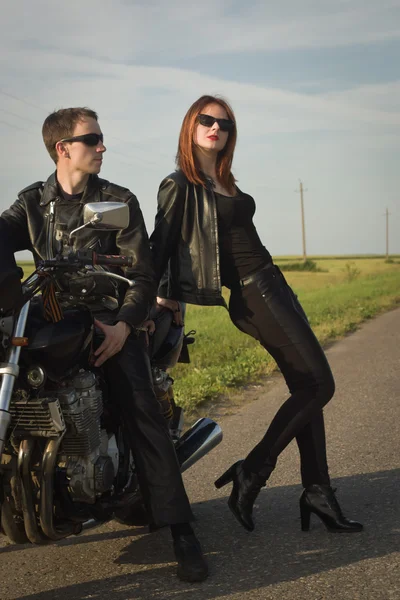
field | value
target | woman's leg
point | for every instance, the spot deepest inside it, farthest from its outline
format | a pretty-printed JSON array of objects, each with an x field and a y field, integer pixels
[
  {"x": 312, "y": 447},
  {"x": 269, "y": 311}
]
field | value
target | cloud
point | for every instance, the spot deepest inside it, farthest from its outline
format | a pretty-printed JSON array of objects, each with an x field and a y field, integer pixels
[
  {"x": 122, "y": 91},
  {"x": 315, "y": 24},
  {"x": 383, "y": 98},
  {"x": 133, "y": 32}
]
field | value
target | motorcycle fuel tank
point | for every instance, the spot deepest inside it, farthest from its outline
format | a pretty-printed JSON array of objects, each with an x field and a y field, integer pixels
[{"x": 59, "y": 346}]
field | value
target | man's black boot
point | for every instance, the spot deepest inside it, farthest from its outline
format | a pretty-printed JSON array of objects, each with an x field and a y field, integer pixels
[{"x": 192, "y": 566}]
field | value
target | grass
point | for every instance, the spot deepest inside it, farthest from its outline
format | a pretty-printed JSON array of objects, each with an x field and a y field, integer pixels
[
  {"x": 336, "y": 303},
  {"x": 301, "y": 265},
  {"x": 345, "y": 292}
]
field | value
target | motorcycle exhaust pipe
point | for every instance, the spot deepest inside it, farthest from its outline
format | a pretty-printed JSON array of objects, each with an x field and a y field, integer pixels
[
  {"x": 47, "y": 495},
  {"x": 27, "y": 500},
  {"x": 197, "y": 441}
]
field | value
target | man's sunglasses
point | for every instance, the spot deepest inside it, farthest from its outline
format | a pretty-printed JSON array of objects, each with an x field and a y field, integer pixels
[
  {"x": 208, "y": 121},
  {"x": 89, "y": 139}
]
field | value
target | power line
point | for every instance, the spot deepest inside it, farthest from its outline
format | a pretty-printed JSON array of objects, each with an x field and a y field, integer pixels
[
  {"x": 9, "y": 112},
  {"x": 113, "y": 137},
  {"x": 144, "y": 162},
  {"x": 45, "y": 109},
  {"x": 21, "y": 100},
  {"x": 141, "y": 160},
  {"x": 12, "y": 126}
]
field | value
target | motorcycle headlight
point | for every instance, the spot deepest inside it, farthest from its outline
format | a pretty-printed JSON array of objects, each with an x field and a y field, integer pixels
[{"x": 36, "y": 376}]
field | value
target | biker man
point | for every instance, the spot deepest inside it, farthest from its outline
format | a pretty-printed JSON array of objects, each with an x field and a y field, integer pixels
[{"x": 40, "y": 221}]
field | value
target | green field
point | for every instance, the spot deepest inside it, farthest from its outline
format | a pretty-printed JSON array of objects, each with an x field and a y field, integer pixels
[{"x": 345, "y": 292}]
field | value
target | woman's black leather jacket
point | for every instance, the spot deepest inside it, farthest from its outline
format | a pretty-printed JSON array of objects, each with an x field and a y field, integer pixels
[
  {"x": 184, "y": 242},
  {"x": 40, "y": 220}
]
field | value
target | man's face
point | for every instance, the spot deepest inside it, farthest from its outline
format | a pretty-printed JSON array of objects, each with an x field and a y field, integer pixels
[{"x": 80, "y": 156}]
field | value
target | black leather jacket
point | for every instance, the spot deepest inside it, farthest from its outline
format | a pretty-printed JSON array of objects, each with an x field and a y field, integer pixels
[
  {"x": 40, "y": 220},
  {"x": 184, "y": 242}
]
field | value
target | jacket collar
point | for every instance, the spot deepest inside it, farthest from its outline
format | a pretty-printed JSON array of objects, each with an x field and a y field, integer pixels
[{"x": 51, "y": 190}]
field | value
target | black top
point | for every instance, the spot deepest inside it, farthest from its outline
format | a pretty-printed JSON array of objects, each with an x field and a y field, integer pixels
[
  {"x": 70, "y": 197},
  {"x": 240, "y": 248}
]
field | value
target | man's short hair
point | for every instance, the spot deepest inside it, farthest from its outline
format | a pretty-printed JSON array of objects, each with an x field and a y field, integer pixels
[{"x": 61, "y": 124}]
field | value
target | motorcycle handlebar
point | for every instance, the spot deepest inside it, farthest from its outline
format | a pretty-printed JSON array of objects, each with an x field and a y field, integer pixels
[
  {"x": 112, "y": 260},
  {"x": 82, "y": 258}
]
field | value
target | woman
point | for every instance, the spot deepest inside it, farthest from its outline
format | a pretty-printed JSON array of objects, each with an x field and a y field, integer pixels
[{"x": 204, "y": 233}]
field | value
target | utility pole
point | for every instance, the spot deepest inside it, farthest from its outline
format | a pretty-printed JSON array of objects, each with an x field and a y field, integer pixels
[
  {"x": 387, "y": 234},
  {"x": 303, "y": 227}
]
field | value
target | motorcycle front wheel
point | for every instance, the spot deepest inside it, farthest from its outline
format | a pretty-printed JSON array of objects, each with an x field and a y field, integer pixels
[
  {"x": 13, "y": 529},
  {"x": 133, "y": 515}
]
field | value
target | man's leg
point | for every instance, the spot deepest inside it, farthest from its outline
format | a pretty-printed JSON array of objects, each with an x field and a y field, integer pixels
[{"x": 129, "y": 377}]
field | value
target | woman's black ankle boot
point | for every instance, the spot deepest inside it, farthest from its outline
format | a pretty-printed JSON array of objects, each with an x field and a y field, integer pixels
[
  {"x": 246, "y": 487},
  {"x": 321, "y": 500}
]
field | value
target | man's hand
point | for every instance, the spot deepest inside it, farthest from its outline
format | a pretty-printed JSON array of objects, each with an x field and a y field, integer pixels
[
  {"x": 174, "y": 307},
  {"x": 115, "y": 338}
]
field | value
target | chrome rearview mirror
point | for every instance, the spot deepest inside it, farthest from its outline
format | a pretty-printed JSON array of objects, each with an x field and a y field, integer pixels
[{"x": 104, "y": 215}]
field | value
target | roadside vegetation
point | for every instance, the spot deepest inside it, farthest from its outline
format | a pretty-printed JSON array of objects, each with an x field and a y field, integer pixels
[
  {"x": 337, "y": 293},
  {"x": 337, "y": 296}
]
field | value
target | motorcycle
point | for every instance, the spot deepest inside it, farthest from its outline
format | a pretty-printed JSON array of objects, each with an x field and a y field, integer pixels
[{"x": 65, "y": 464}]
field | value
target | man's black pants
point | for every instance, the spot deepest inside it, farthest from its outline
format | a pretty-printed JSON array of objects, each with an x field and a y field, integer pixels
[{"x": 129, "y": 379}]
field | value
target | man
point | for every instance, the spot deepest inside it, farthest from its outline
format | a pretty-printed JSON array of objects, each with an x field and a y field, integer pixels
[{"x": 41, "y": 220}]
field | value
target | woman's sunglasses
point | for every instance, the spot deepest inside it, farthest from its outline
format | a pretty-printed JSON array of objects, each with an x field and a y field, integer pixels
[
  {"x": 208, "y": 121},
  {"x": 89, "y": 139}
]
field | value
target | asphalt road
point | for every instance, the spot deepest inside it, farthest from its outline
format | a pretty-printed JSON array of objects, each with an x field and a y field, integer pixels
[{"x": 277, "y": 560}]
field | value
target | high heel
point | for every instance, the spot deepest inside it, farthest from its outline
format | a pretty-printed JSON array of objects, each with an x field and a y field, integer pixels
[
  {"x": 246, "y": 487},
  {"x": 321, "y": 500},
  {"x": 226, "y": 477}
]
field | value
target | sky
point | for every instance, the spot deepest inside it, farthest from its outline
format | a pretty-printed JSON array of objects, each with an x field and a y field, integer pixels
[{"x": 315, "y": 87}]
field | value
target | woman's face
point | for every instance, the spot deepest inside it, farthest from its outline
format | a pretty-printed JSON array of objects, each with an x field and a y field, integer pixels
[{"x": 210, "y": 136}]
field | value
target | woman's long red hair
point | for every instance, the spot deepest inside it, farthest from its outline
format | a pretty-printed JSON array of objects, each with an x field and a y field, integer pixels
[{"x": 186, "y": 158}]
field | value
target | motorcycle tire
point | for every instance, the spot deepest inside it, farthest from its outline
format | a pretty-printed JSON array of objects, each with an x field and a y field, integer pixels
[{"x": 134, "y": 515}]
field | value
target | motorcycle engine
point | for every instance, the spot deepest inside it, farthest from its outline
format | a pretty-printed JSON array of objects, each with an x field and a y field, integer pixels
[{"x": 88, "y": 454}]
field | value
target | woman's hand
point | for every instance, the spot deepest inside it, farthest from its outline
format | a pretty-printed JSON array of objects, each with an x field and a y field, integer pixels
[
  {"x": 174, "y": 306},
  {"x": 115, "y": 338},
  {"x": 149, "y": 328}
]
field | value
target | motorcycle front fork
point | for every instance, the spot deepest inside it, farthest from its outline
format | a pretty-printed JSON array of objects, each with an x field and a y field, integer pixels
[{"x": 9, "y": 372}]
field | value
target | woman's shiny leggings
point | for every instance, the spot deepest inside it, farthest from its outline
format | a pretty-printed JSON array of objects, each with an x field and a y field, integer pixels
[{"x": 269, "y": 311}]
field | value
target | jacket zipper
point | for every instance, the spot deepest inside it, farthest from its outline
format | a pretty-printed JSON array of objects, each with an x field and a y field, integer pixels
[
  {"x": 50, "y": 230},
  {"x": 215, "y": 223},
  {"x": 90, "y": 245}
]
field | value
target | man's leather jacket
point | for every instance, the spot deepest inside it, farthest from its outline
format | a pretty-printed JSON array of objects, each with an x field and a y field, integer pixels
[
  {"x": 41, "y": 219},
  {"x": 184, "y": 242}
]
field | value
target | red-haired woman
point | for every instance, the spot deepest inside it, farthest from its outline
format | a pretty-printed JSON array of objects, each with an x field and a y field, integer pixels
[{"x": 204, "y": 238}]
